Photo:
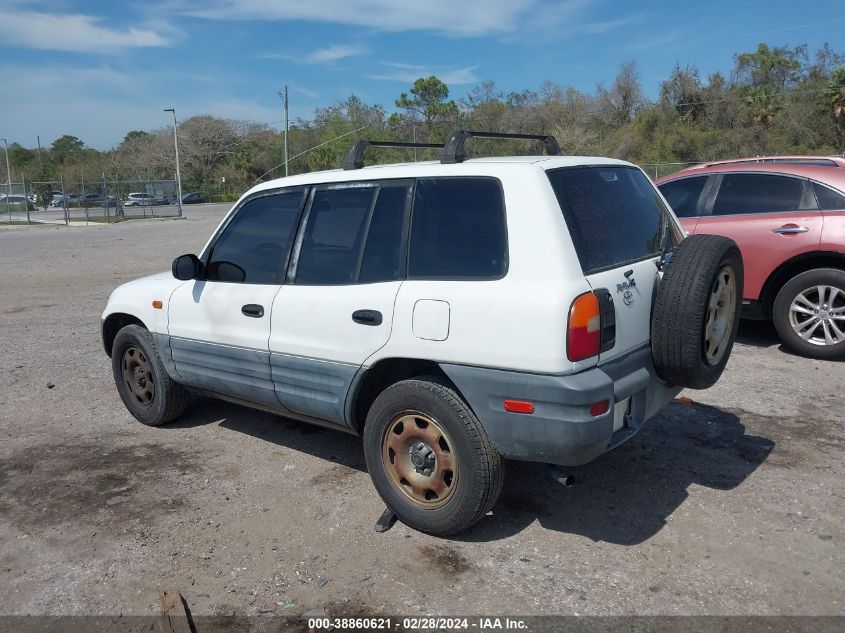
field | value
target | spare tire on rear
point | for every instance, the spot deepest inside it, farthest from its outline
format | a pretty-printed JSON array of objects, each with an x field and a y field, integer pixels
[{"x": 696, "y": 311}]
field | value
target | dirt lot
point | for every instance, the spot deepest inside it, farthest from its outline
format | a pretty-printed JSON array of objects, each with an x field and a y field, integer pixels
[{"x": 733, "y": 505}]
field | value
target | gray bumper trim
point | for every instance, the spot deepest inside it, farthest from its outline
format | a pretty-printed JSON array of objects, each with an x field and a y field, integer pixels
[{"x": 561, "y": 429}]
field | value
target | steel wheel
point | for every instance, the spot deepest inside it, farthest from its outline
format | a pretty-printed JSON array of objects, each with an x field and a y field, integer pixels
[
  {"x": 720, "y": 315},
  {"x": 417, "y": 455},
  {"x": 817, "y": 315},
  {"x": 138, "y": 376}
]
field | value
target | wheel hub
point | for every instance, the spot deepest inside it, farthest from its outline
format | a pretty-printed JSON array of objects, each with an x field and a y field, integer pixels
[
  {"x": 817, "y": 315},
  {"x": 137, "y": 375},
  {"x": 721, "y": 309},
  {"x": 418, "y": 459},
  {"x": 422, "y": 457}
]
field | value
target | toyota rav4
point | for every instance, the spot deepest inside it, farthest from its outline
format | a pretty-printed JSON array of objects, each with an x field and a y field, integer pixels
[{"x": 455, "y": 313}]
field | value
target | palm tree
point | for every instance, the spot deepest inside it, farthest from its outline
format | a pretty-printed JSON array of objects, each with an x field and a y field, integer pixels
[{"x": 834, "y": 93}]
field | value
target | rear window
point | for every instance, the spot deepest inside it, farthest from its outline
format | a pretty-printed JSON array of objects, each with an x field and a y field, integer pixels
[{"x": 613, "y": 213}]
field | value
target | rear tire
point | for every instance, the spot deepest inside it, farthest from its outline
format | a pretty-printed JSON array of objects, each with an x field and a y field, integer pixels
[
  {"x": 799, "y": 308},
  {"x": 448, "y": 483},
  {"x": 144, "y": 385},
  {"x": 696, "y": 311}
]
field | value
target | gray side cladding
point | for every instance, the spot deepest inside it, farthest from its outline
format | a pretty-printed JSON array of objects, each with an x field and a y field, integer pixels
[
  {"x": 234, "y": 371},
  {"x": 304, "y": 386},
  {"x": 312, "y": 387}
]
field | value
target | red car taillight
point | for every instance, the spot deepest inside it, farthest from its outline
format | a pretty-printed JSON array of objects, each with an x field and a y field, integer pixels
[{"x": 583, "y": 336}]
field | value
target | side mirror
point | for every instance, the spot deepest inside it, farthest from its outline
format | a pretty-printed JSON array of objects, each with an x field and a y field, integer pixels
[{"x": 187, "y": 267}]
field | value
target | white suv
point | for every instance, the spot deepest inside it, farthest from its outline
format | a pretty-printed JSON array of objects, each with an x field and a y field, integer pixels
[
  {"x": 139, "y": 199},
  {"x": 454, "y": 313}
]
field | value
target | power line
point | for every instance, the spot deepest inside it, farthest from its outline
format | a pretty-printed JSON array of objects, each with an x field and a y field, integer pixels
[{"x": 309, "y": 150}]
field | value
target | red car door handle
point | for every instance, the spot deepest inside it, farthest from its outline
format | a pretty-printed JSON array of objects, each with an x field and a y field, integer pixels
[{"x": 788, "y": 229}]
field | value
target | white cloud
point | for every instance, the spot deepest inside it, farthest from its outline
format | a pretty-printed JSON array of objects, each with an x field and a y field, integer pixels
[
  {"x": 463, "y": 18},
  {"x": 409, "y": 73},
  {"x": 335, "y": 52},
  {"x": 327, "y": 55},
  {"x": 71, "y": 32}
]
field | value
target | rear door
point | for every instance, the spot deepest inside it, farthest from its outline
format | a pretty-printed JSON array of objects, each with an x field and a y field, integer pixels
[
  {"x": 337, "y": 308},
  {"x": 616, "y": 220},
  {"x": 772, "y": 217}
]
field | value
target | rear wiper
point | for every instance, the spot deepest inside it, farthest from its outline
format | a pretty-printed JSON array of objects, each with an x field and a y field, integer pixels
[{"x": 665, "y": 252}]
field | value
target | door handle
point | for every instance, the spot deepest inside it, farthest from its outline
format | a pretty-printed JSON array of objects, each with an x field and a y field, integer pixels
[
  {"x": 789, "y": 229},
  {"x": 253, "y": 310},
  {"x": 367, "y": 317}
]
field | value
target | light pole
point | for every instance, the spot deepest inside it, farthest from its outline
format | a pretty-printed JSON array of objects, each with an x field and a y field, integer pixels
[
  {"x": 178, "y": 175},
  {"x": 284, "y": 96},
  {"x": 9, "y": 182}
]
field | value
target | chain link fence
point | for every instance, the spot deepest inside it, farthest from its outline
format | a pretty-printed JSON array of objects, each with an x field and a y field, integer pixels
[{"x": 87, "y": 201}]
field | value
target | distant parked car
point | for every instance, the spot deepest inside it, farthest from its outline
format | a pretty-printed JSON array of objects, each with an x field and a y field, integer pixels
[
  {"x": 140, "y": 199},
  {"x": 16, "y": 200},
  {"x": 787, "y": 214},
  {"x": 71, "y": 199},
  {"x": 195, "y": 197}
]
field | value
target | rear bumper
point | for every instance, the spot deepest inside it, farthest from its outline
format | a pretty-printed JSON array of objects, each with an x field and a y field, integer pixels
[{"x": 561, "y": 429}]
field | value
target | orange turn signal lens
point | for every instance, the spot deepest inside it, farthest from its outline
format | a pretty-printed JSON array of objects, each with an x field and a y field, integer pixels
[
  {"x": 157, "y": 304},
  {"x": 583, "y": 337},
  {"x": 518, "y": 406}
]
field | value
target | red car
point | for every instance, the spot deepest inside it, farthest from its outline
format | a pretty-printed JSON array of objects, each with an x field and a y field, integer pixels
[{"x": 787, "y": 214}]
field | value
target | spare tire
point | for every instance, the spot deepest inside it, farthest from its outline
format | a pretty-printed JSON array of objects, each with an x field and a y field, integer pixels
[{"x": 696, "y": 311}]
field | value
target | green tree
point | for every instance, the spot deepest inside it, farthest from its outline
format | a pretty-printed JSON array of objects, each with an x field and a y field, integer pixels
[
  {"x": 428, "y": 101},
  {"x": 765, "y": 75},
  {"x": 834, "y": 93},
  {"x": 65, "y": 147}
]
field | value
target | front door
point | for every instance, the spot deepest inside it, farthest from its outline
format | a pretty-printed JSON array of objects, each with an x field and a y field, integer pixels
[
  {"x": 337, "y": 309},
  {"x": 219, "y": 325}
]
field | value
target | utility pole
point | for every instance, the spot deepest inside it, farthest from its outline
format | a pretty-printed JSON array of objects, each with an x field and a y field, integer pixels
[
  {"x": 284, "y": 96},
  {"x": 178, "y": 175},
  {"x": 8, "y": 181},
  {"x": 38, "y": 138}
]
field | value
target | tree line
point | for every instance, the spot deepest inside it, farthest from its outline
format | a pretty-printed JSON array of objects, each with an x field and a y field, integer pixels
[{"x": 775, "y": 100}]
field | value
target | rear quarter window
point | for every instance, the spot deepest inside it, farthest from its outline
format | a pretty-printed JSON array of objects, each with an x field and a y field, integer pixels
[
  {"x": 829, "y": 199},
  {"x": 613, "y": 213},
  {"x": 458, "y": 229}
]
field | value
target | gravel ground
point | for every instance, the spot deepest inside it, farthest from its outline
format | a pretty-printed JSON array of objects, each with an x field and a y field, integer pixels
[{"x": 730, "y": 505}]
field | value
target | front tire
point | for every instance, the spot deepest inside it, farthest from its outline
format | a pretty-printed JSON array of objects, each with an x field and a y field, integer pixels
[
  {"x": 144, "y": 385},
  {"x": 429, "y": 457},
  {"x": 809, "y": 313}
]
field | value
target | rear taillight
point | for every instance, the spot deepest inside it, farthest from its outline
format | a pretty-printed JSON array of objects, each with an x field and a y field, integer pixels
[{"x": 583, "y": 337}]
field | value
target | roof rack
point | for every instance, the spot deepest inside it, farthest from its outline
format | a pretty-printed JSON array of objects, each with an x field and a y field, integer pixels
[
  {"x": 355, "y": 156},
  {"x": 453, "y": 151}
]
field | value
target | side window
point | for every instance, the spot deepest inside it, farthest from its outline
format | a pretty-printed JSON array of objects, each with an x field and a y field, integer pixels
[
  {"x": 683, "y": 195},
  {"x": 382, "y": 258},
  {"x": 354, "y": 234},
  {"x": 253, "y": 248},
  {"x": 829, "y": 199},
  {"x": 759, "y": 193},
  {"x": 458, "y": 229}
]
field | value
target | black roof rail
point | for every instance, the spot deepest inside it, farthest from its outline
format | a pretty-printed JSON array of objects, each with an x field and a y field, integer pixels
[
  {"x": 453, "y": 151},
  {"x": 355, "y": 156}
]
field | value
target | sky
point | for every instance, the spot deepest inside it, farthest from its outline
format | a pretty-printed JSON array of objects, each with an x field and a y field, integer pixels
[{"x": 99, "y": 68}]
